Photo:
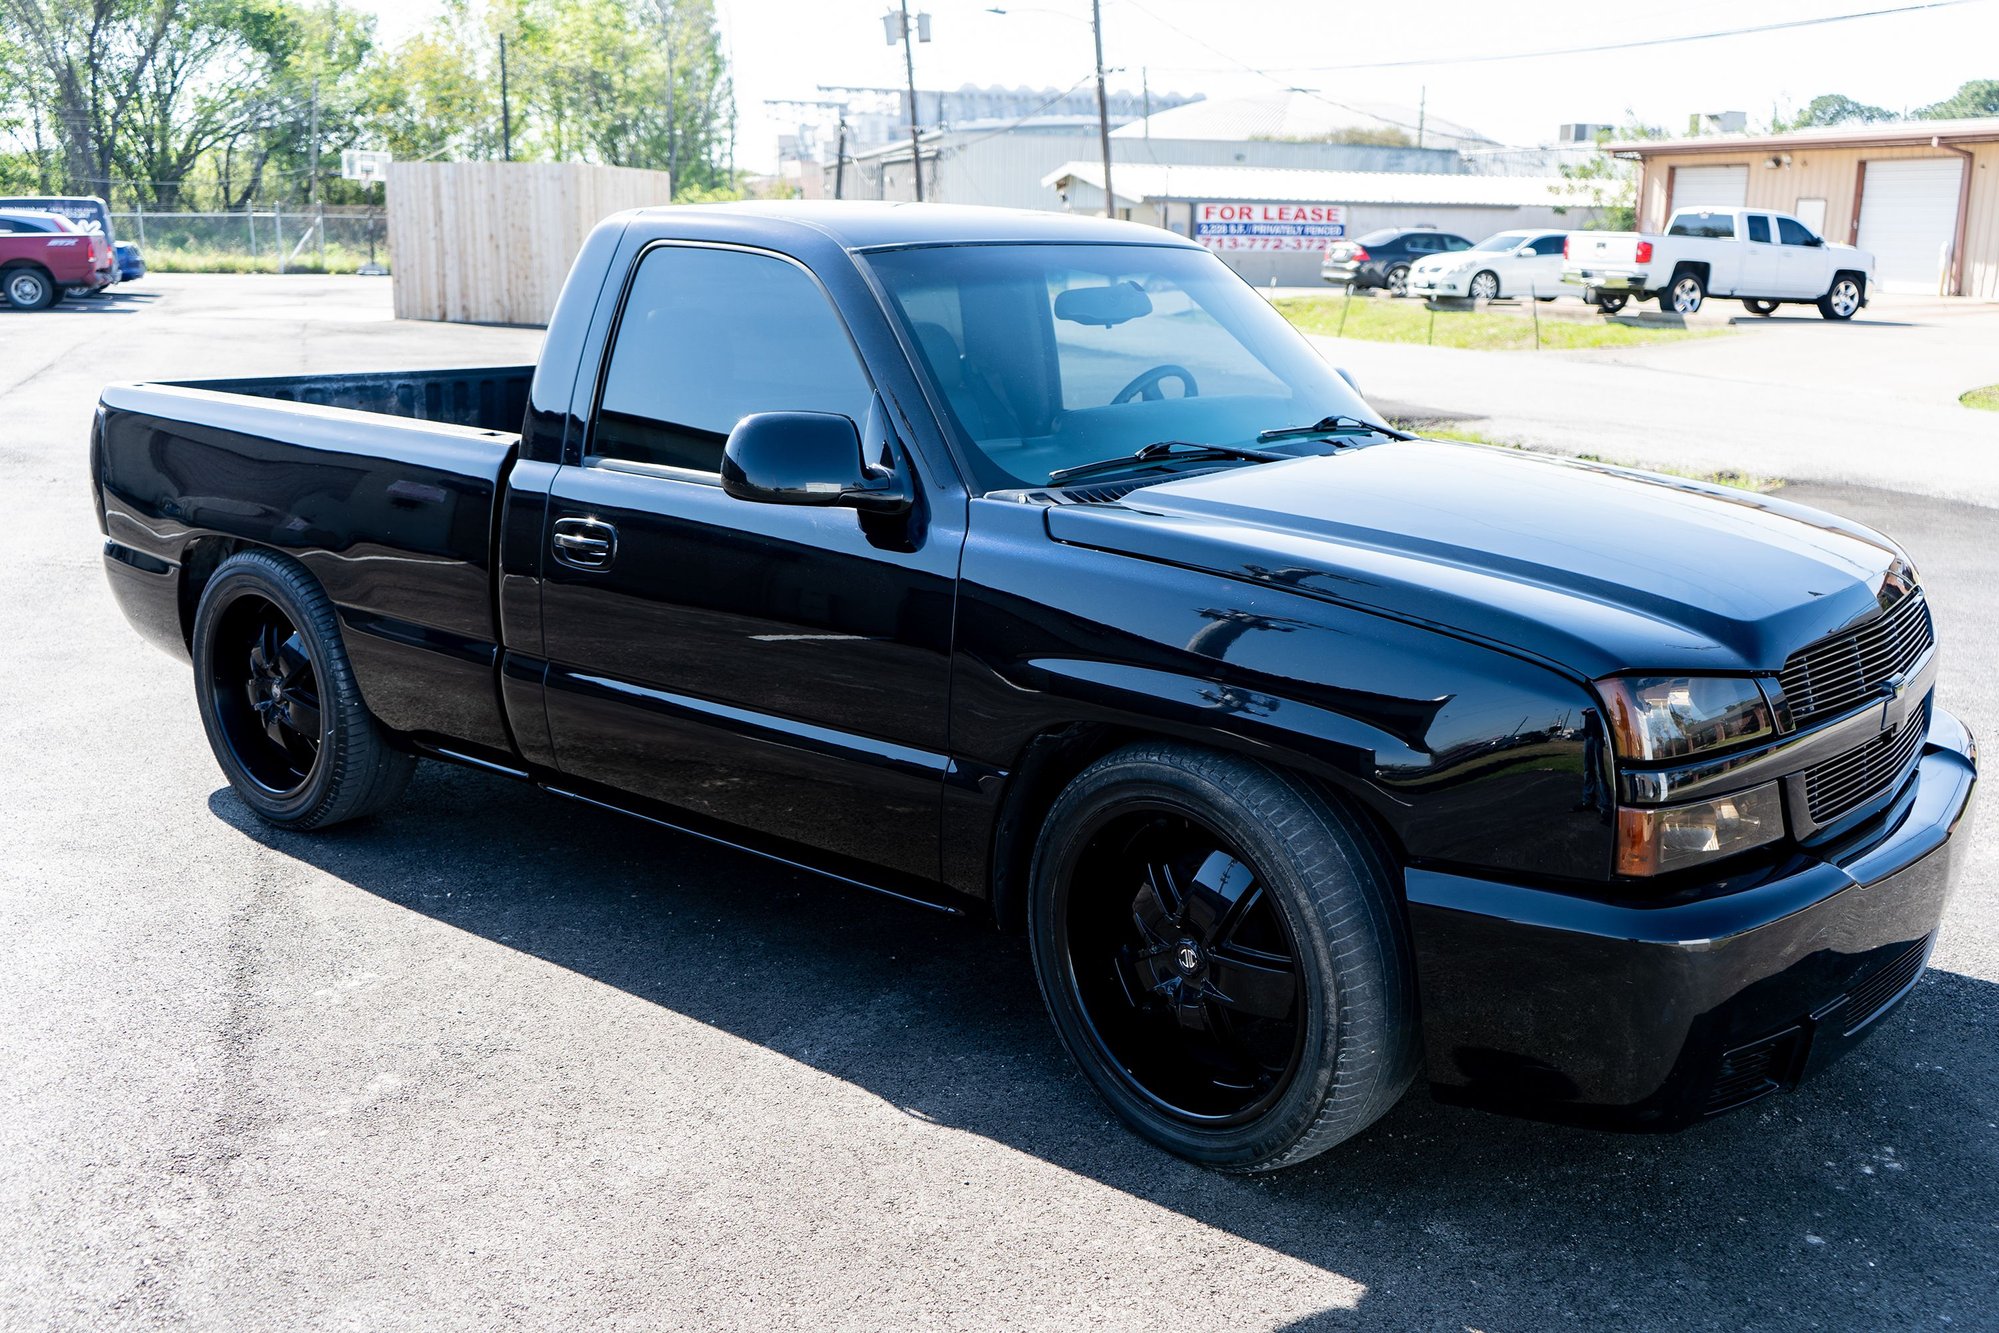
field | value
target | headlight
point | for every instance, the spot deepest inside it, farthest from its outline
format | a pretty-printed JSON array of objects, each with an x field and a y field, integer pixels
[
  {"x": 1653, "y": 718},
  {"x": 1662, "y": 838}
]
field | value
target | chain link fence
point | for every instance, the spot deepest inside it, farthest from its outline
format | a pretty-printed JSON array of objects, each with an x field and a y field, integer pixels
[{"x": 266, "y": 239}]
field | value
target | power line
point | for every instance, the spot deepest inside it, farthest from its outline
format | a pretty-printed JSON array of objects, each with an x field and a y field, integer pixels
[{"x": 1599, "y": 48}]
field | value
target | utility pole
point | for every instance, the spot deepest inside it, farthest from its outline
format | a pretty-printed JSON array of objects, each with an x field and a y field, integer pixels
[
  {"x": 506, "y": 108},
  {"x": 1422, "y": 113},
  {"x": 672, "y": 122},
  {"x": 1103, "y": 106},
  {"x": 909, "y": 68},
  {"x": 318, "y": 210},
  {"x": 840, "y": 160}
]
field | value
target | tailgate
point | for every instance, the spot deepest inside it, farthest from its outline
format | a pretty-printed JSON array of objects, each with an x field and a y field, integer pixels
[{"x": 1603, "y": 249}]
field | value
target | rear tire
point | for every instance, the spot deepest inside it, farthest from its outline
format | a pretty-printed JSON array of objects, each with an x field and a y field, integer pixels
[
  {"x": 1397, "y": 280},
  {"x": 29, "y": 289},
  {"x": 1684, "y": 295},
  {"x": 279, "y": 701},
  {"x": 1842, "y": 300},
  {"x": 1224, "y": 954}
]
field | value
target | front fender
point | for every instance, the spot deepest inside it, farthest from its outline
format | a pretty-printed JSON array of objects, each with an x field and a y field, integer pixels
[{"x": 1462, "y": 754}]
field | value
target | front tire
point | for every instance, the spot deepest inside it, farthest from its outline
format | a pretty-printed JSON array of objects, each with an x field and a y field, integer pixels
[
  {"x": 279, "y": 701},
  {"x": 1842, "y": 299},
  {"x": 1224, "y": 954},
  {"x": 1484, "y": 286}
]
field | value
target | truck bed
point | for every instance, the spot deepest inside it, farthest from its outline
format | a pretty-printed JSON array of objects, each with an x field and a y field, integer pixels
[{"x": 385, "y": 486}]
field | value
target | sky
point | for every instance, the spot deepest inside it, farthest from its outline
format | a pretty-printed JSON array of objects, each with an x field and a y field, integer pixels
[{"x": 786, "y": 48}]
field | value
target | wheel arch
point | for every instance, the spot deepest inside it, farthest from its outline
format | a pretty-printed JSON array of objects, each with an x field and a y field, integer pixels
[{"x": 1053, "y": 758}]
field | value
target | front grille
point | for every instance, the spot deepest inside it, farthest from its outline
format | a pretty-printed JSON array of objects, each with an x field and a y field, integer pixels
[
  {"x": 1834, "y": 674},
  {"x": 1865, "y": 1002},
  {"x": 1747, "y": 1072},
  {"x": 1844, "y": 784}
]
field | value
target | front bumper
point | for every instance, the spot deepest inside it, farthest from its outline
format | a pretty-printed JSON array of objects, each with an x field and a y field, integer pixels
[
  {"x": 1625, "y": 1015},
  {"x": 1440, "y": 284}
]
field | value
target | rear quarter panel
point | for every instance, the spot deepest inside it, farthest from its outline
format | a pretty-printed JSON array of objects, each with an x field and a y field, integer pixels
[{"x": 394, "y": 518}]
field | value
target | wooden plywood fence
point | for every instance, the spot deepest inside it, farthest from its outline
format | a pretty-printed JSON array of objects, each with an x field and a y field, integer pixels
[{"x": 490, "y": 242}]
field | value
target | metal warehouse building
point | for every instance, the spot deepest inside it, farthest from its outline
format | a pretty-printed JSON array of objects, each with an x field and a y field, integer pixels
[
  {"x": 1922, "y": 196},
  {"x": 1179, "y": 196}
]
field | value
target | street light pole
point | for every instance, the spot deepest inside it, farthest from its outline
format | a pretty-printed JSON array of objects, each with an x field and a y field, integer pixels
[
  {"x": 909, "y": 67},
  {"x": 1103, "y": 107}
]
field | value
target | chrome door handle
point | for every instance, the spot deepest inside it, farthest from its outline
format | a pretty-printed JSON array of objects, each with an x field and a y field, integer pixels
[{"x": 585, "y": 543}]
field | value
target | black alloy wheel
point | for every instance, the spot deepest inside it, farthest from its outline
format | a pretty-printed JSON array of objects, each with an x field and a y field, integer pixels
[
  {"x": 279, "y": 700},
  {"x": 1184, "y": 969},
  {"x": 1224, "y": 952},
  {"x": 266, "y": 695}
]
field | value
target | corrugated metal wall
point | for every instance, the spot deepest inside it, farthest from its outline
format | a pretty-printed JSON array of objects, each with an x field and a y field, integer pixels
[{"x": 1831, "y": 174}]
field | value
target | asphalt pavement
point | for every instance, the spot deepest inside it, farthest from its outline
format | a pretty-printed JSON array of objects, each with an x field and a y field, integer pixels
[{"x": 498, "y": 1060}]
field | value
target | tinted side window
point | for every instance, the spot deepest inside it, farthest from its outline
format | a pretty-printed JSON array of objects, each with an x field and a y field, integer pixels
[
  {"x": 1793, "y": 232},
  {"x": 1420, "y": 244},
  {"x": 1456, "y": 243},
  {"x": 706, "y": 338},
  {"x": 1712, "y": 226},
  {"x": 1549, "y": 245},
  {"x": 1759, "y": 227}
]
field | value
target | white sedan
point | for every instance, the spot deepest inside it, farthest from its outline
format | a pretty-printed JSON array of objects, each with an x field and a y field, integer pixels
[{"x": 1511, "y": 263}]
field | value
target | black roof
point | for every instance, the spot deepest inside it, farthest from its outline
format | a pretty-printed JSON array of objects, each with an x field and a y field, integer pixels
[{"x": 860, "y": 225}]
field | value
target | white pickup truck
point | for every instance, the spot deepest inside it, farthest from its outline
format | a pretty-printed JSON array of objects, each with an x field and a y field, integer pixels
[{"x": 1759, "y": 256}]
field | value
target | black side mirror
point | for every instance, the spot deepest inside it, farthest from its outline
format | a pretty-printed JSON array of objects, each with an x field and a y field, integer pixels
[
  {"x": 807, "y": 458},
  {"x": 1816, "y": 242}
]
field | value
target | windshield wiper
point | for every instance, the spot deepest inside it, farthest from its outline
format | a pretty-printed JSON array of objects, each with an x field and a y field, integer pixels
[
  {"x": 1159, "y": 450},
  {"x": 1327, "y": 425}
]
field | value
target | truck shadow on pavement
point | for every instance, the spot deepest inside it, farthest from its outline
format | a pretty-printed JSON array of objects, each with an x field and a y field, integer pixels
[{"x": 1867, "y": 1199}]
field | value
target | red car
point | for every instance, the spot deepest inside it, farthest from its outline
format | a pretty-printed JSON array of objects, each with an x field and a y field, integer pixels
[{"x": 42, "y": 254}]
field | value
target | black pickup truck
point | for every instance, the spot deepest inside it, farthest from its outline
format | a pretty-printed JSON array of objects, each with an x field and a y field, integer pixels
[{"x": 1034, "y": 565}]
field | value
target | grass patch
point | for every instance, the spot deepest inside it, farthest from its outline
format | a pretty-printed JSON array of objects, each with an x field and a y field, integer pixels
[
  {"x": 1742, "y": 481},
  {"x": 1489, "y": 329},
  {"x": 1985, "y": 399},
  {"x": 175, "y": 259}
]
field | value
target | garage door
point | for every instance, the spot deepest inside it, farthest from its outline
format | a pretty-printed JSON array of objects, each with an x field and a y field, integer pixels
[
  {"x": 1710, "y": 187},
  {"x": 1908, "y": 210}
]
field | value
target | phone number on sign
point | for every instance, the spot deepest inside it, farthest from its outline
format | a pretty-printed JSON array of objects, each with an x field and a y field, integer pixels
[{"x": 1263, "y": 242}]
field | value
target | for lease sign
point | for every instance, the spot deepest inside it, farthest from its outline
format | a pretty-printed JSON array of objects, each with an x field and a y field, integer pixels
[{"x": 1269, "y": 226}]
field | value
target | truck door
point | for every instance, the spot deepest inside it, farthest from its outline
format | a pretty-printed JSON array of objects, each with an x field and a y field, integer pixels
[
  {"x": 1759, "y": 257},
  {"x": 1804, "y": 268},
  {"x": 769, "y": 667}
]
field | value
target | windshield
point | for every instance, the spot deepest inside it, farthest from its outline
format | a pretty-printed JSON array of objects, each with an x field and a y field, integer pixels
[
  {"x": 1506, "y": 240},
  {"x": 1051, "y": 356}
]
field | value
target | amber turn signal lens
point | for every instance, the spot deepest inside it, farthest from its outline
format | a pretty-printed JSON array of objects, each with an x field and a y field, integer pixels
[{"x": 1652, "y": 841}]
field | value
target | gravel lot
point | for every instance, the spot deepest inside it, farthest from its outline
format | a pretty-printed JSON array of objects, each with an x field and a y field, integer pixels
[{"x": 500, "y": 1060}]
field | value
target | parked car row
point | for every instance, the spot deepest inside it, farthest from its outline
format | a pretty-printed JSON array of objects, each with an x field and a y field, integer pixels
[
  {"x": 1760, "y": 257},
  {"x": 35, "y": 274},
  {"x": 1423, "y": 261},
  {"x": 42, "y": 256}
]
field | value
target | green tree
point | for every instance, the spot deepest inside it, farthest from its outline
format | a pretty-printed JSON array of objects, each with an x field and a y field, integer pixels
[
  {"x": 91, "y": 60},
  {"x": 1977, "y": 97},
  {"x": 1832, "y": 109},
  {"x": 1606, "y": 184}
]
